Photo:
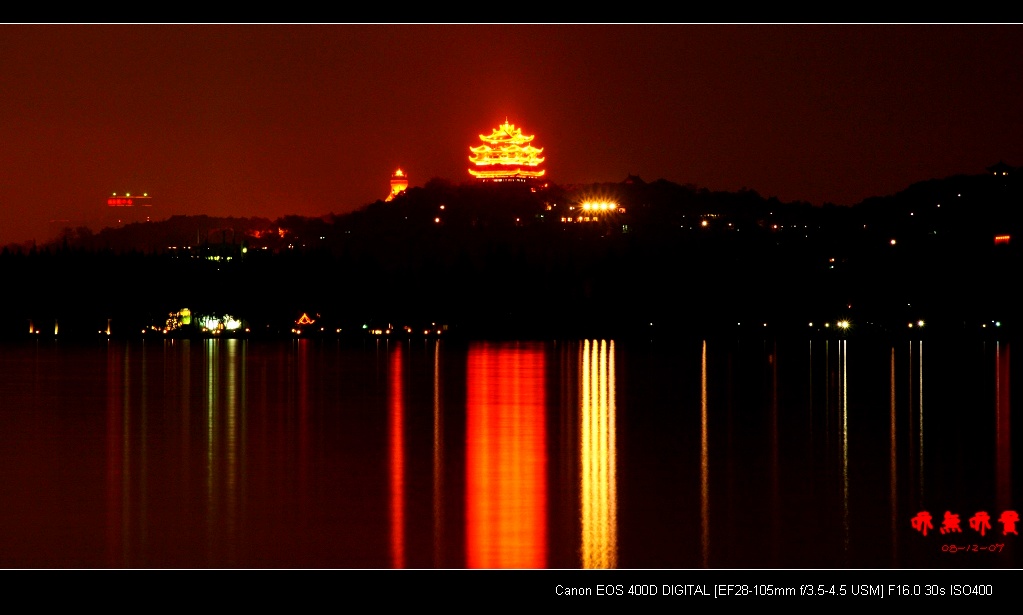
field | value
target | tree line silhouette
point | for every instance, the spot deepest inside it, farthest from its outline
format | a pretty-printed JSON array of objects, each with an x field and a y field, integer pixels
[{"x": 504, "y": 260}]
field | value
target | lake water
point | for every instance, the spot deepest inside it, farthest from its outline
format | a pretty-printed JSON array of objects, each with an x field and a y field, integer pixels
[{"x": 432, "y": 453}]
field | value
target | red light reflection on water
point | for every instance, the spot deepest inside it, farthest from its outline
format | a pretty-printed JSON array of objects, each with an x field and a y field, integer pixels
[
  {"x": 506, "y": 458},
  {"x": 1003, "y": 443},
  {"x": 397, "y": 452}
]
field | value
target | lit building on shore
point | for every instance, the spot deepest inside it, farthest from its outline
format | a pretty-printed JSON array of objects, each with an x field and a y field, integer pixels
[{"x": 506, "y": 155}]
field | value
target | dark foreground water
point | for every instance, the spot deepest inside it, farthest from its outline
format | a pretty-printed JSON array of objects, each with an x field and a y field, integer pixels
[{"x": 752, "y": 453}]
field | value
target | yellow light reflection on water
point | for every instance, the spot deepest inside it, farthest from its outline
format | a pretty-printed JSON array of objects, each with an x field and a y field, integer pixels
[
  {"x": 844, "y": 409},
  {"x": 598, "y": 464},
  {"x": 212, "y": 386},
  {"x": 231, "y": 483}
]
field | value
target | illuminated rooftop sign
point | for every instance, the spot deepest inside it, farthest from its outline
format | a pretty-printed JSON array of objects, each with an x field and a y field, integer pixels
[{"x": 129, "y": 201}]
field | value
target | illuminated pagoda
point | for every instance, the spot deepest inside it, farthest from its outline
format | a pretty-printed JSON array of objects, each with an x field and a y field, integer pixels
[
  {"x": 506, "y": 155},
  {"x": 399, "y": 182}
]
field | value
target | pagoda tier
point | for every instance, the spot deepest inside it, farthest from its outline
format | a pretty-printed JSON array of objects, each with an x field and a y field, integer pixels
[{"x": 506, "y": 155}]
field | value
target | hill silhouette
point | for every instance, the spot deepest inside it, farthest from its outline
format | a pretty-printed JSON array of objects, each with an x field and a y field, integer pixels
[{"x": 523, "y": 260}]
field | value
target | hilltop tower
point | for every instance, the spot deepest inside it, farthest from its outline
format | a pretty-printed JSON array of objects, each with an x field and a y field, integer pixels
[
  {"x": 506, "y": 155},
  {"x": 399, "y": 182}
]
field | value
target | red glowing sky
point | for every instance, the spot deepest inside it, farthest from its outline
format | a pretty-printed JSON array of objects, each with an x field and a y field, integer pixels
[{"x": 271, "y": 120}]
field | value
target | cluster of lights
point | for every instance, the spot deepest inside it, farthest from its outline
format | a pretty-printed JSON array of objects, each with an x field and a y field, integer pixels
[
  {"x": 435, "y": 330},
  {"x": 840, "y": 324},
  {"x": 579, "y": 219},
  {"x": 298, "y": 331},
  {"x": 599, "y": 206},
  {"x": 216, "y": 324},
  {"x": 175, "y": 320},
  {"x": 127, "y": 200}
]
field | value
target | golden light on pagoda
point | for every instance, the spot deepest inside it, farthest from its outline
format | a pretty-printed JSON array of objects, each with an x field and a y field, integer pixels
[
  {"x": 506, "y": 155},
  {"x": 399, "y": 182}
]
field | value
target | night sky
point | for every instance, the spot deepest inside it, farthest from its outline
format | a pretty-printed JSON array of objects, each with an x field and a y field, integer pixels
[{"x": 272, "y": 120}]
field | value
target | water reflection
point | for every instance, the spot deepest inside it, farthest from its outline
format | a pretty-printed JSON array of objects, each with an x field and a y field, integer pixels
[
  {"x": 506, "y": 457},
  {"x": 598, "y": 463},
  {"x": 704, "y": 464},
  {"x": 115, "y": 447},
  {"x": 439, "y": 552},
  {"x": 893, "y": 461},
  {"x": 396, "y": 424},
  {"x": 224, "y": 398},
  {"x": 588, "y": 453},
  {"x": 1003, "y": 439}
]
